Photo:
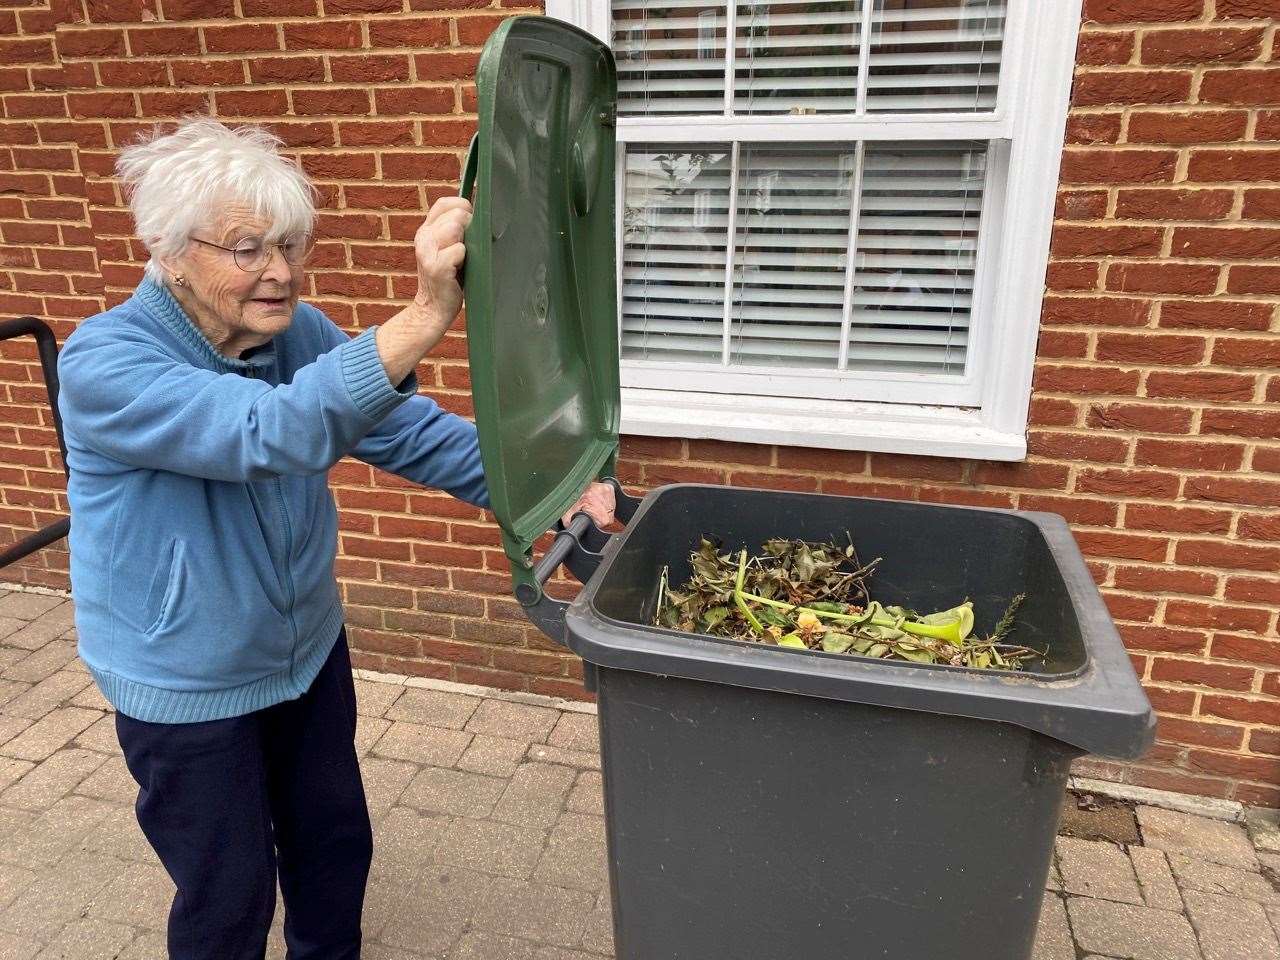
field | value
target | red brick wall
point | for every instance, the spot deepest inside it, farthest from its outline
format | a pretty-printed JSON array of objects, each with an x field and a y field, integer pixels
[{"x": 1154, "y": 423}]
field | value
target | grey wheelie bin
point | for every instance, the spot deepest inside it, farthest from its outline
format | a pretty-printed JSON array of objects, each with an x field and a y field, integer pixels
[{"x": 761, "y": 803}]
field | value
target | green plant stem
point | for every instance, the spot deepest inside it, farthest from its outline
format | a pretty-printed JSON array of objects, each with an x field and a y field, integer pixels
[
  {"x": 825, "y": 614},
  {"x": 906, "y": 626},
  {"x": 738, "y": 595}
]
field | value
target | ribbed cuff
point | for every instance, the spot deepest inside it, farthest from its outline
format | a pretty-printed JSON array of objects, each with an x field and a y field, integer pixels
[{"x": 366, "y": 378}]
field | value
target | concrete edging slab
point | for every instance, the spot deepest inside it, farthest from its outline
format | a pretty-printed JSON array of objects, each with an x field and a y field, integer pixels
[
  {"x": 1229, "y": 810},
  {"x": 475, "y": 690}
]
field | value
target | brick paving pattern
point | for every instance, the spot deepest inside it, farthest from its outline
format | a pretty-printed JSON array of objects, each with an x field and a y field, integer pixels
[{"x": 489, "y": 835}]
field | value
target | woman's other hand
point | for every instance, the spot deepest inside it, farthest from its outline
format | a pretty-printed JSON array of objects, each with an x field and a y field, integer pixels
[{"x": 597, "y": 502}]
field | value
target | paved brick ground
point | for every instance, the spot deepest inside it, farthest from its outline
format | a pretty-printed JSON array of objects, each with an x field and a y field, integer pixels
[{"x": 490, "y": 842}]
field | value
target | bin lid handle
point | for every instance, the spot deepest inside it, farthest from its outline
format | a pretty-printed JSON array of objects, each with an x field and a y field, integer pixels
[{"x": 468, "y": 183}]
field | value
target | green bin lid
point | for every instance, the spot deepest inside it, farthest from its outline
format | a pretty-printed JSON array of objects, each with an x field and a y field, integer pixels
[{"x": 540, "y": 274}]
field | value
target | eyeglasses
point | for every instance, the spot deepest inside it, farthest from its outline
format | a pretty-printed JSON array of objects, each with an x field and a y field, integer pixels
[{"x": 254, "y": 253}]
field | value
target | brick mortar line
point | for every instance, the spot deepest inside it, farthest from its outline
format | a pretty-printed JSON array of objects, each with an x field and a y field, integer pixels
[
  {"x": 1244, "y": 406},
  {"x": 1126, "y": 223},
  {"x": 1128, "y": 109},
  {"x": 1129, "y": 367},
  {"x": 1166, "y": 222},
  {"x": 1206, "y": 20},
  {"x": 1233, "y": 406},
  {"x": 1156, "y": 300},
  {"x": 1209, "y": 720},
  {"x": 280, "y": 53},
  {"x": 1208, "y": 601},
  {"x": 1195, "y": 70}
]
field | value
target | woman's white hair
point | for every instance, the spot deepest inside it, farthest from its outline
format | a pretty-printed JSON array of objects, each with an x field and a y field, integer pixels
[{"x": 175, "y": 182}]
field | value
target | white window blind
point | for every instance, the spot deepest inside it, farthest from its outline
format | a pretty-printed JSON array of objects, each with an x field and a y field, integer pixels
[
  {"x": 790, "y": 233},
  {"x": 916, "y": 248},
  {"x": 934, "y": 56},
  {"x": 675, "y": 229},
  {"x": 834, "y": 202}
]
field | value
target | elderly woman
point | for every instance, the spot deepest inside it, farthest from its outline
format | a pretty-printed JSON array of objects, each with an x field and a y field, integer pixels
[{"x": 201, "y": 416}]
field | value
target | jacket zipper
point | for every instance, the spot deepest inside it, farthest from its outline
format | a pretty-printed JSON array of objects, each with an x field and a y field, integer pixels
[
  {"x": 287, "y": 562},
  {"x": 288, "y": 573}
]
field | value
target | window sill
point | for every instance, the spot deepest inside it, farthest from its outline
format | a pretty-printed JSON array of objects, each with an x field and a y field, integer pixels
[{"x": 825, "y": 424}]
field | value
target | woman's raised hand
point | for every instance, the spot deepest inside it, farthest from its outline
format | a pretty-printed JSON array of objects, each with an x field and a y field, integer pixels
[
  {"x": 438, "y": 249},
  {"x": 439, "y": 252}
]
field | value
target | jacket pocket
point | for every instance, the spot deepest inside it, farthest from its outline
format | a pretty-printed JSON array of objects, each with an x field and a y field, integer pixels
[{"x": 173, "y": 578}]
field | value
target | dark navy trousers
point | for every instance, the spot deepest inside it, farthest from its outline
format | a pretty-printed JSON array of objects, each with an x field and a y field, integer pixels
[{"x": 230, "y": 806}]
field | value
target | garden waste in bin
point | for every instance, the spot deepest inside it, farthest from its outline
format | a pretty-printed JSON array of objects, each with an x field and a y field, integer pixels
[{"x": 761, "y": 803}]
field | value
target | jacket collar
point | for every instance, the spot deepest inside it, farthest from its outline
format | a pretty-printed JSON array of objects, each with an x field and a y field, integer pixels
[{"x": 162, "y": 305}]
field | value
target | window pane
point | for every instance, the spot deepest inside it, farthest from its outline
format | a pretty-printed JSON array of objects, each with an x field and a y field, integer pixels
[
  {"x": 791, "y": 241},
  {"x": 935, "y": 55},
  {"x": 803, "y": 56},
  {"x": 675, "y": 225},
  {"x": 796, "y": 58},
  {"x": 670, "y": 56},
  {"x": 793, "y": 302},
  {"x": 917, "y": 245}
]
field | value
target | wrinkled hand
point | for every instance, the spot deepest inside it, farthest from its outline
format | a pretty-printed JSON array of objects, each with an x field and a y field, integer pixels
[
  {"x": 597, "y": 502},
  {"x": 439, "y": 252}
]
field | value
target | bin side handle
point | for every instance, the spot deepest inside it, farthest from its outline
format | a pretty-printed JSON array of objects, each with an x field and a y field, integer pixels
[
  {"x": 544, "y": 611},
  {"x": 577, "y": 547}
]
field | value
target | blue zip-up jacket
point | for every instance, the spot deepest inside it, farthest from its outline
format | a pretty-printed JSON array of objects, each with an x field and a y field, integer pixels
[{"x": 203, "y": 533}]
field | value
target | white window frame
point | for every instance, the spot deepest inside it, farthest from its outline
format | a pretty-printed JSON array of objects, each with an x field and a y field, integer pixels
[{"x": 986, "y": 414}]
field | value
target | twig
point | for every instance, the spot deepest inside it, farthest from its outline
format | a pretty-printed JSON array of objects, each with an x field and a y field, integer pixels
[
  {"x": 1005, "y": 625},
  {"x": 662, "y": 590}
]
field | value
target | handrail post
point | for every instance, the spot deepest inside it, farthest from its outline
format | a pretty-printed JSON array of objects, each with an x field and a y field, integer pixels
[{"x": 47, "y": 348}]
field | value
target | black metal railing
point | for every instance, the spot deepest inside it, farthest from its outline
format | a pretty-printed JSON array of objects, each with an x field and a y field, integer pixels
[{"x": 47, "y": 347}]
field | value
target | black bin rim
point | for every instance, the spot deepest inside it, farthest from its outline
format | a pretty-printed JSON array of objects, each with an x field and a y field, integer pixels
[{"x": 1099, "y": 709}]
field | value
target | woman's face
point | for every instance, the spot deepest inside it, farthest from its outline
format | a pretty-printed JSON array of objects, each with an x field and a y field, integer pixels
[{"x": 236, "y": 309}]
